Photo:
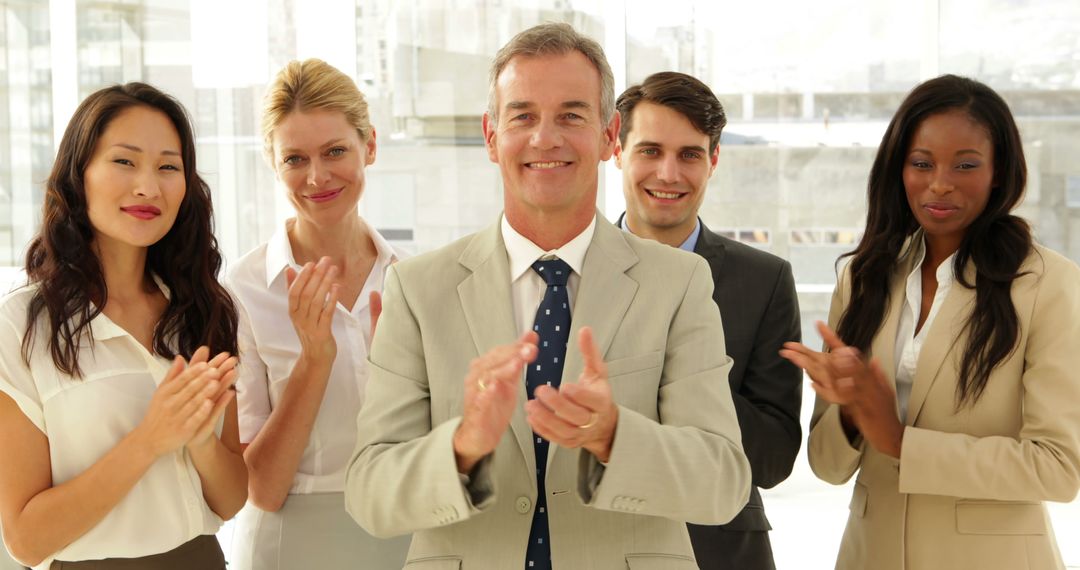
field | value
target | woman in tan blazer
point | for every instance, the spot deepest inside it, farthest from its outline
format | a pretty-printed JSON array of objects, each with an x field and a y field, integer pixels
[{"x": 967, "y": 416}]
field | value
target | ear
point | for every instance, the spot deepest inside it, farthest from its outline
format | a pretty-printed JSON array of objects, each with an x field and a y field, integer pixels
[
  {"x": 618, "y": 154},
  {"x": 714, "y": 157},
  {"x": 611, "y": 136},
  {"x": 489, "y": 138},
  {"x": 371, "y": 148}
]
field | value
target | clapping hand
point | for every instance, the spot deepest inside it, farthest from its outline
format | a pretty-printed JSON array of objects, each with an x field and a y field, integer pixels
[
  {"x": 225, "y": 365},
  {"x": 582, "y": 414},
  {"x": 491, "y": 389},
  {"x": 843, "y": 376},
  {"x": 313, "y": 295},
  {"x": 188, "y": 402}
]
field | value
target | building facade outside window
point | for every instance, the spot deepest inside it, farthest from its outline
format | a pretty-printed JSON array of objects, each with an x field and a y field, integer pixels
[{"x": 808, "y": 89}]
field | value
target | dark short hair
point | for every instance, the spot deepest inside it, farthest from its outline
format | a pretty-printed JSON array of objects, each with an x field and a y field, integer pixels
[{"x": 681, "y": 92}]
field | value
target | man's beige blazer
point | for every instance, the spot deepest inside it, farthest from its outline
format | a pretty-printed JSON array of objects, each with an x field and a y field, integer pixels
[
  {"x": 967, "y": 491},
  {"x": 676, "y": 457}
]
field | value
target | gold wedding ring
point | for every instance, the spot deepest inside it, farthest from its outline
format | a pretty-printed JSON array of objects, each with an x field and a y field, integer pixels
[
  {"x": 592, "y": 421},
  {"x": 480, "y": 382}
]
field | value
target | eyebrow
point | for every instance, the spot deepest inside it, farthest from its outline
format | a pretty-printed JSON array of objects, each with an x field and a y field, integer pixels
[
  {"x": 134, "y": 148},
  {"x": 961, "y": 151},
  {"x": 576, "y": 105},
  {"x": 651, "y": 144},
  {"x": 289, "y": 150},
  {"x": 519, "y": 105}
]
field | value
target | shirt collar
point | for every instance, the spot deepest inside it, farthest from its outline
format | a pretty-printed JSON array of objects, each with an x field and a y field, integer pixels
[
  {"x": 279, "y": 254},
  {"x": 691, "y": 240},
  {"x": 522, "y": 252},
  {"x": 944, "y": 272},
  {"x": 687, "y": 245},
  {"x": 104, "y": 328},
  {"x": 384, "y": 252}
]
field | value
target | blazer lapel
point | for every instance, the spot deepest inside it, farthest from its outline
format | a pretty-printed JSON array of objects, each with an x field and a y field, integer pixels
[
  {"x": 942, "y": 337},
  {"x": 711, "y": 247},
  {"x": 883, "y": 346},
  {"x": 604, "y": 297},
  {"x": 486, "y": 301}
]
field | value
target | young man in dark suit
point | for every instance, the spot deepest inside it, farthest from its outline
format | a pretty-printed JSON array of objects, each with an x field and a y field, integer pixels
[{"x": 669, "y": 143}]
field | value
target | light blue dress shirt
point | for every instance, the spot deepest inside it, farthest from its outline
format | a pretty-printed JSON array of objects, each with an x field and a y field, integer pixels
[{"x": 688, "y": 245}]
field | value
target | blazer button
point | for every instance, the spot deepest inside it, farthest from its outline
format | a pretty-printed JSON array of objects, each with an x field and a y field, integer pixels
[{"x": 523, "y": 505}]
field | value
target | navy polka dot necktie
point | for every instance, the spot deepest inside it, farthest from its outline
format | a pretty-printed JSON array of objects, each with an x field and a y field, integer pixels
[{"x": 552, "y": 323}]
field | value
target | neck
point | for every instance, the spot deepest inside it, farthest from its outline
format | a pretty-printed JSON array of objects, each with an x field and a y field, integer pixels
[
  {"x": 124, "y": 269},
  {"x": 548, "y": 230},
  {"x": 346, "y": 242},
  {"x": 673, "y": 235},
  {"x": 939, "y": 248}
]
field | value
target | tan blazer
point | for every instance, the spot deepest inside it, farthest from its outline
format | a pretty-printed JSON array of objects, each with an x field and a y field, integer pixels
[
  {"x": 677, "y": 454},
  {"x": 967, "y": 491}
]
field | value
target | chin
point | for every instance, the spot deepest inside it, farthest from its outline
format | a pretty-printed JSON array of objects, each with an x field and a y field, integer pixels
[{"x": 662, "y": 221}]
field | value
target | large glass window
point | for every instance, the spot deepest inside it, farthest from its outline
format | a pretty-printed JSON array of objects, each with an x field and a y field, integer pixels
[{"x": 808, "y": 88}]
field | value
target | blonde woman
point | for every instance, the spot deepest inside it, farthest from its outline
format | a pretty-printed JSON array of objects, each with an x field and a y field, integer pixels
[{"x": 301, "y": 386}]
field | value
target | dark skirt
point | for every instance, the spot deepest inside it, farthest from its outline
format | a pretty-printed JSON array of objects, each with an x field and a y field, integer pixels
[{"x": 200, "y": 553}]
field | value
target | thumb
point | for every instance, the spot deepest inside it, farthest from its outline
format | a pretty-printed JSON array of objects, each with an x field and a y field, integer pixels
[
  {"x": 877, "y": 372},
  {"x": 594, "y": 366},
  {"x": 178, "y": 365},
  {"x": 202, "y": 354},
  {"x": 832, "y": 340}
]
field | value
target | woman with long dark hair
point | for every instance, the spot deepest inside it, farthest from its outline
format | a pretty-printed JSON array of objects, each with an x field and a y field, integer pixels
[
  {"x": 967, "y": 415},
  {"x": 120, "y": 446}
]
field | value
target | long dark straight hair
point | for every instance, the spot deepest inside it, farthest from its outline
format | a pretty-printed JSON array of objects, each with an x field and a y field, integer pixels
[
  {"x": 997, "y": 242},
  {"x": 71, "y": 288}
]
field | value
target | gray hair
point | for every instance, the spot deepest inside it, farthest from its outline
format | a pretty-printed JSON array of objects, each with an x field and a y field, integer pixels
[{"x": 555, "y": 39}]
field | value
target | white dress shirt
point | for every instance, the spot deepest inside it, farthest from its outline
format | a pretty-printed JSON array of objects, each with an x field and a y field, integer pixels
[
  {"x": 85, "y": 418},
  {"x": 908, "y": 343},
  {"x": 526, "y": 286},
  {"x": 269, "y": 348}
]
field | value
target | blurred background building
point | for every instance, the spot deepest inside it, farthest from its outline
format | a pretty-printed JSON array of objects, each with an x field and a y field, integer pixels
[{"x": 808, "y": 88}]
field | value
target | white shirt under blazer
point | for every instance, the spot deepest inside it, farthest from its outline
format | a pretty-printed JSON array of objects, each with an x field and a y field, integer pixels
[{"x": 85, "y": 418}]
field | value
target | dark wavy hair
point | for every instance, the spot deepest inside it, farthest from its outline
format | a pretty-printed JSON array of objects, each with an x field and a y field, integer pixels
[
  {"x": 997, "y": 242},
  {"x": 71, "y": 288}
]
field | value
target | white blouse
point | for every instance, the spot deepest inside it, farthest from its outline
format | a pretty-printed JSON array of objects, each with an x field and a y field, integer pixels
[
  {"x": 85, "y": 418},
  {"x": 269, "y": 348},
  {"x": 908, "y": 343}
]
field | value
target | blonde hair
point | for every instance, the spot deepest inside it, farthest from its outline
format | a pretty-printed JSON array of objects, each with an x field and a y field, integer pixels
[
  {"x": 554, "y": 39},
  {"x": 311, "y": 85}
]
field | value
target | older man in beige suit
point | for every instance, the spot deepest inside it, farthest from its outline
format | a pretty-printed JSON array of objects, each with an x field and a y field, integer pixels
[{"x": 627, "y": 429}]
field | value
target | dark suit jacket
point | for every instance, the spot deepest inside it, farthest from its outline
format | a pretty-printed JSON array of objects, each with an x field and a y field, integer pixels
[{"x": 756, "y": 295}]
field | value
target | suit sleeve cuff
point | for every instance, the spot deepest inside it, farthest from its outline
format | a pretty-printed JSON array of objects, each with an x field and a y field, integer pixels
[
  {"x": 833, "y": 457},
  {"x": 478, "y": 485}
]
